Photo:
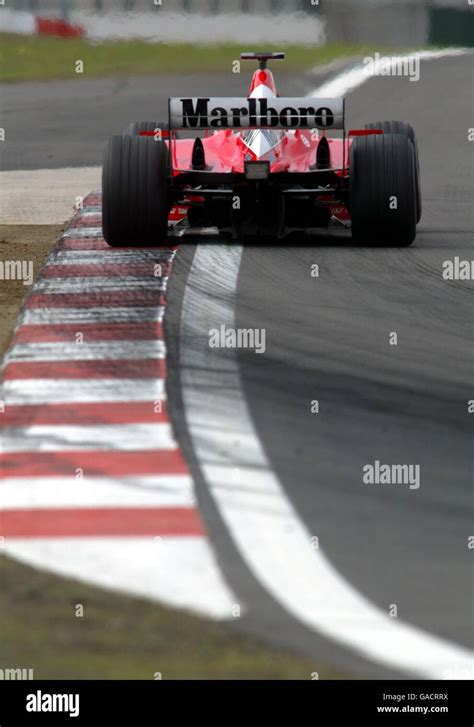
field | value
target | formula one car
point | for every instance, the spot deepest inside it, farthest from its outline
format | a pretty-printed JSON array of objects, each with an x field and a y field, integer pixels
[{"x": 261, "y": 166}]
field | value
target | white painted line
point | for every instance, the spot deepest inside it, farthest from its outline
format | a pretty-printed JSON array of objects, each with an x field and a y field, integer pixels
[
  {"x": 68, "y": 437},
  {"x": 79, "y": 232},
  {"x": 98, "y": 284},
  {"x": 266, "y": 529},
  {"x": 64, "y": 391},
  {"x": 51, "y": 316},
  {"x": 180, "y": 571},
  {"x": 91, "y": 211},
  {"x": 64, "y": 492},
  {"x": 109, "y": 257},
  {"x": 354, "y": 77},
  {"x": 96, "y": 351}
]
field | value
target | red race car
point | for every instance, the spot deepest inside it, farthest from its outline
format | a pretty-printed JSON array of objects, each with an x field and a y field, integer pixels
[{"x": 261, "y": 166}]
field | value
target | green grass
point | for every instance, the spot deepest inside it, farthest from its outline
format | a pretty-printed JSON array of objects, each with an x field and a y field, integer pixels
[
  {"x": 120, "y": 637},
  {"x": 43, "y": 58}
]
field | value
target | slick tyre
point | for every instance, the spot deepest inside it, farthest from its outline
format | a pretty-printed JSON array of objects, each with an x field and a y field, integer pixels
[
  {"x": 383, "y": 190},
  {"x": 135, "y": 203},
  {"x": 401, "y": 127}
]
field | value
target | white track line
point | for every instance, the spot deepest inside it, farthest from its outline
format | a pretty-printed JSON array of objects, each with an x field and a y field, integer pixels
[
  {"x": 354, "y": 77},
  {"x": 67, "y": 391},
  {"x": 268, "y": 532},
  {"x": 68, "y": 437},
  {"x": 92, "y": 211},
  {"x": 79, "y": 232},
  {"x": 95, "y": 351},
  {"x": 98, "y": 284},
  {"x": 179, "y": 571},
  {"x": 64, "y": 492},
  {"x": 53, "y": 316},
  {"x": 109, "y": 257}
]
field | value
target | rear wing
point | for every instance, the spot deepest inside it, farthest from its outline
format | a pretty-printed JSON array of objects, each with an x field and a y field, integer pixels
[{"x": 190, "y": 114}]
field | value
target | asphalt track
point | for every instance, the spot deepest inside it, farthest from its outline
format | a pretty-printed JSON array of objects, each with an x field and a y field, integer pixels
[{"x": 327, "y": 339}]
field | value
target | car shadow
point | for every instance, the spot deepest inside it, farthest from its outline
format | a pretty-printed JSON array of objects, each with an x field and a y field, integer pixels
[{"x": 323, "y": 238}]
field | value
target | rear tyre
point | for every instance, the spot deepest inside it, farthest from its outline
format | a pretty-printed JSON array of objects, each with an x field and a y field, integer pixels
[
  {"x": 135, "y": 205},
  {"x": 401, "y": 127},
  {"x": 383, "y": 190}
]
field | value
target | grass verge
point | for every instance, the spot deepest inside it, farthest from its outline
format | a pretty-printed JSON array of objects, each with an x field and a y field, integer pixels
[
  {"x": 119, "y": 637},
  {"x": 34, "y": 58},
  {"x": 24, "y": 244}
]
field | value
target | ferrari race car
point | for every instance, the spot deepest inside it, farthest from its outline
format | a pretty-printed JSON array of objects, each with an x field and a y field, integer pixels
[{"x": 261, "y": 166}]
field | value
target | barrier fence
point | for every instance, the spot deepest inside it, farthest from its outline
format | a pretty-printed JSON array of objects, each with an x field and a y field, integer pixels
[{"x": 386, "y": 22}]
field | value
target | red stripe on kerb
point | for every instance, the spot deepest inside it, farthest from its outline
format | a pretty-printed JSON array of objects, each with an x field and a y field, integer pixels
[
  {"x": 97, "y": 243},
  {"x": 93, "y": 464},
  {"x": 109, "y": 299},
  {"x": 92, "y": 200},
  {"x": 111, "y": 369},
  {"x": 84, "y": 243},
  {"x": 60, "y": 523},
  {"x": 132, "y": 412},
  {"x": 79, "y": 221},
  {"x": 107, "y": 269},
  {"x": 66, "y": 332}
]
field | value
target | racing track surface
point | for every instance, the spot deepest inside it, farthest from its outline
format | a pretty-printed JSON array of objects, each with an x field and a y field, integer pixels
[{"x": 327, "y": 339}]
